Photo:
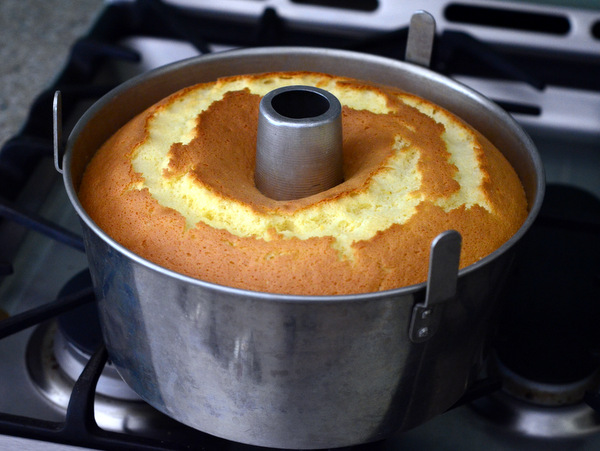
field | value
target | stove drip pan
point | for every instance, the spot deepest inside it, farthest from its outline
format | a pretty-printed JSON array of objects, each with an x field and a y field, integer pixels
[
  {"x": 522, "y": 418},
  {"x": 118, "y": 414},
  {"x": 541, "y": 410}
]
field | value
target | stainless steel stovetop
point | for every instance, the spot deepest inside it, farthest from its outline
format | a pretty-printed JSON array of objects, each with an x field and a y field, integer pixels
[{"x": 38, "y": 367}]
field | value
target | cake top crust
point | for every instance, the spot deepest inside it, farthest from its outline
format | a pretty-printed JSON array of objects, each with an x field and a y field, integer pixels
[{"x": 188, "y": 163}]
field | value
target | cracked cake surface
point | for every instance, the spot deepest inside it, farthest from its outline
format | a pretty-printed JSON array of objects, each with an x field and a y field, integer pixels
[{"x": 176, "y": 186}]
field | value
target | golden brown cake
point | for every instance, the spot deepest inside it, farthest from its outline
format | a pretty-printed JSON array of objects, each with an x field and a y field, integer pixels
[{"x": 176, "y": 186}]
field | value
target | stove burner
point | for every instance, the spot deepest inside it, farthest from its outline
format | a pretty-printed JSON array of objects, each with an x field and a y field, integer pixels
[
  {"x": 72, "y": 360},
  {"x": 56, "y": 384},
  {"x": 567, "y": 422},
  {"x": 78, "y": 336},
  {"x": 545, "y": 394},
  {"x": 111, "y": 414},
  {"x": 548, "y": 340},
  {"x": 548, "y": 331},
  {"x": 56, "y": 354}
]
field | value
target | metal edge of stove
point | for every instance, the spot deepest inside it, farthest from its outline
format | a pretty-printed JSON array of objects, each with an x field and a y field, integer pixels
[
  {"x": 25, "y": 444},
  {"x": 578, "y": 36}
]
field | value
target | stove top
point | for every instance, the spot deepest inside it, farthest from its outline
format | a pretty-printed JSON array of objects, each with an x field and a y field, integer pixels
[{"x": 540, "y": 62}]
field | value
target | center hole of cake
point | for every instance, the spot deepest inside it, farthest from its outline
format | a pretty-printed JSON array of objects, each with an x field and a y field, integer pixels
[{"x": 300, "y": 104}]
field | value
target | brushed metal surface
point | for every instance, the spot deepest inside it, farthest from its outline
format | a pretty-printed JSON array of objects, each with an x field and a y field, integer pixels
[{"x": 299, "y": 143}]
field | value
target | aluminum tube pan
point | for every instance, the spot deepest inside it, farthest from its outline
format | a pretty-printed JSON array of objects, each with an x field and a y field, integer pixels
[{"x": 291, "y": 371}]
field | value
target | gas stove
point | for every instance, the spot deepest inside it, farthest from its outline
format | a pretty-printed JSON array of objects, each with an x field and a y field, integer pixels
[{"x": 539, "y": 62}]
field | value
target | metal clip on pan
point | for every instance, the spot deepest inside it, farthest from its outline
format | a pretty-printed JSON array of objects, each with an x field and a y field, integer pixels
[
  {"x": 421, "y": 34},
  {"x": 59, "y": 150},
  {"x": 441, "y": 285}
]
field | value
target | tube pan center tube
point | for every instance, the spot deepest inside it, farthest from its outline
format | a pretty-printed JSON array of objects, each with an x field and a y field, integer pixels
[{"x": 299, "y": 143}]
